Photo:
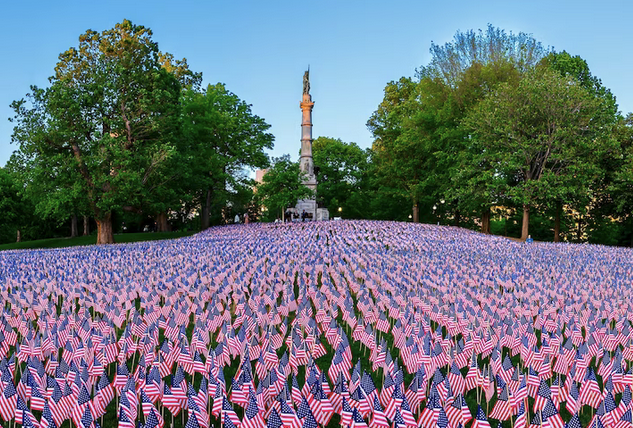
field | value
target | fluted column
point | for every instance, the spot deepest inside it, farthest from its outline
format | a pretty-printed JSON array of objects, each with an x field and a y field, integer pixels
[{"x": 306, "y": 162}]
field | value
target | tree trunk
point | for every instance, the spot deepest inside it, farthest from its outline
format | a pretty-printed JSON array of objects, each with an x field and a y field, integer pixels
[
  {"x": 73, "y": 226},
  {"x": 579, "y": 227},
  {"x": 458, "y": 217},
  {"x": 488, "y": 221},
  {"x": 161, "y": 222},
  {"x": 416, "y": 213},
  {"x": 485, "y": 221},
  {"x": 19, "y": 237},
  {"x": 526, "y": 222},
  {"x": 557, "y": 222},
  {"x": 86, "y": 226},
  {"x": 206, "y": 210},
  {"x": 105, "y": 234}
]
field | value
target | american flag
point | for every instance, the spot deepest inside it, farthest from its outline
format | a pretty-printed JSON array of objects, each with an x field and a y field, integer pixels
[
  {"x": 154, "y": 420},
  {"x": 481, "y": 421},
  {"x": 590, "y": 392},
  {"x": 439, "y": 324},
  {"x": 274, "y": 420},
  {"x": 442, "y": 420},
  {"x": 8, "y": 402},
  {"x": 47, "y": 420},
  {"x": 124, "y": 420},
  {"x": 379, "y": 419},
  {"x": 346, "y": 413},
  {"x": 357, "y": 420},
  {"x": 310, "y": 422},
  {"x": 192, "y": 422},
  {"x": 21, "y": 409},
  {"x": 29, "y": 421},
  {"x": 551, "y": 417},
  {"x": 501, "y": 410},
  {"x": 536, "y": 421},
  {"x": 289, "y": 417},
  {"x": 574, "y": 422},
  {"x": 86, "y": 418},
  {"x": 229, "y": 413},
  {"x": 398, "y": 421},
  {"x": 542, "y": 395},
  {"x": 428, "y": 417},
  {"x": 228, "y": 423},
  {"x": 252, "y": 416},
  {"x": 626, "y": 421}
]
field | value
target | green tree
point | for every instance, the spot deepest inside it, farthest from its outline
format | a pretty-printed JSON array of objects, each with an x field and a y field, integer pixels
[
  {"x": 342, "y": 176},
  {"x": 420, "y": 149},
  {"x": 242, "y": 200},
  {"x": 108, "y": 119},
  {"x": 224, "y": 138},
  {"x": 616, "y": 199},
  {"x": 282, "y": 186},
  {"x": 577, "y": 68},
  {"x": 460, "y": 74},
  {"x": 397, "y": 165},
  {"x": 540, "y": 134},
  {"x": 469, "y": 181},
  {"x": 450, "y": 61},
  {"x": 14, "y": 210}
]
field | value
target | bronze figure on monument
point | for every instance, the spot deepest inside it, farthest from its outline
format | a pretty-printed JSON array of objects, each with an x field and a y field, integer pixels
[{"x": 306, "y": 82}]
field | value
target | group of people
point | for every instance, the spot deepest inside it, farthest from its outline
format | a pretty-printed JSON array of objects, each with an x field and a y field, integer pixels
[
  {"x": 237, "y": 218},
  {"x": 292, "y": 216}
]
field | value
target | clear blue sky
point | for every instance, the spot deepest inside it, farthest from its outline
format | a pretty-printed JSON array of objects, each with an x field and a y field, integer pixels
[{"x": 260, "y": 49}]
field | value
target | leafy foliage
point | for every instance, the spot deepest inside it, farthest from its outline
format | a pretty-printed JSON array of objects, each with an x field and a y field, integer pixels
[
  {"x": 429, "y": 133},
  {"x": 11, "y": 207},
  {"x": 223, "y": 137},
  {"x": 450, "y": 61},
  {"x": 343, "y": 176},
  {"x": 106, "y": 122},
  {"x": 540, "y": 133},
  {"x": 282, "y": 186},
  {"x": 125, "y": 128}
]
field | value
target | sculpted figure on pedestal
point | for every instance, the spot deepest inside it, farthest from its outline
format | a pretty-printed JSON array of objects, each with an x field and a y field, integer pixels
[{"x": 306, "y": 82}]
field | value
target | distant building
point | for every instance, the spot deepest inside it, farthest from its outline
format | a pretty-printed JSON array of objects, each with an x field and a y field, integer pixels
[{"x": 259, "y": 175}]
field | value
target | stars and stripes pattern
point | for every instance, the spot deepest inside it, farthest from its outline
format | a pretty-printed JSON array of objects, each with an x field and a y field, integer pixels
[{"x": 393, "y": 325}]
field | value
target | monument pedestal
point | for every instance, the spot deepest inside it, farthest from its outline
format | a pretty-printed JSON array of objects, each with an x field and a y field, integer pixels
[
  {"x": 323, "y": 214},
  {"x": 309, "y": 206}
]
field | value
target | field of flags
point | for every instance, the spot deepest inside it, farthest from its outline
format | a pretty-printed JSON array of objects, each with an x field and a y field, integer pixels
[{"x": 349, "y": 323}]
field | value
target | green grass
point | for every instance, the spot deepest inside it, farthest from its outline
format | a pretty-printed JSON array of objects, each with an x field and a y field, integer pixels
[{"x": 92, "y": 239}]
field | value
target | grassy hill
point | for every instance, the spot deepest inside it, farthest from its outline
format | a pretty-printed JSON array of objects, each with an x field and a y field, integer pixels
[{"x": 92, "y": 239}]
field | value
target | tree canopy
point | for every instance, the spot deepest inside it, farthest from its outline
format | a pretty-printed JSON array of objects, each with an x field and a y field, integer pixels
[
  {"x": 540, "y": 134},
  {"x": 223, "y": 138},
  {"x": 124, "y": 127},
  {"x": 282, "y": 187},
  {"x": 495, "y": 130},
  {"x": 343, "y": 176},
  {"x": 433, "y": 134},
  {"x": 107, "y": 120}
]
